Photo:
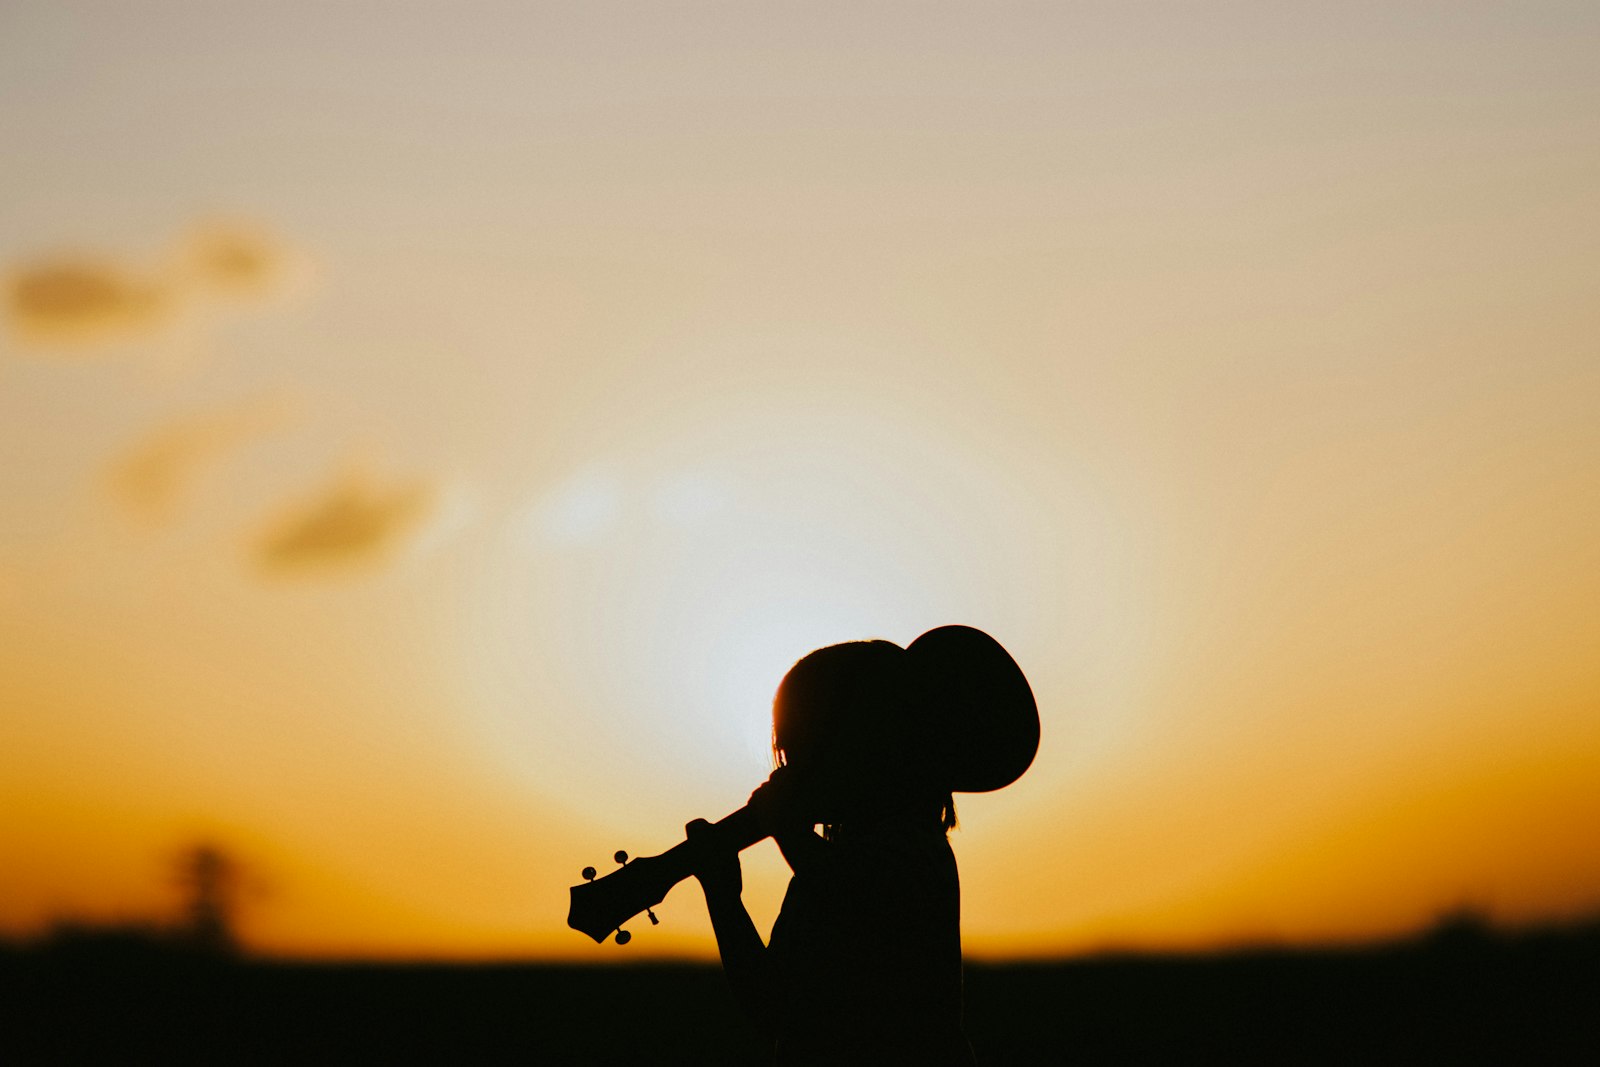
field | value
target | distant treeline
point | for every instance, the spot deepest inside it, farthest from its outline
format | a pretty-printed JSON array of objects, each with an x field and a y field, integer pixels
[{"x": 1463, "y": 993}]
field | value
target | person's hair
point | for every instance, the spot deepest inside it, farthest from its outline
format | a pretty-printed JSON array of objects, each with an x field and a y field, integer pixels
[{"x": 851, "y": 714}]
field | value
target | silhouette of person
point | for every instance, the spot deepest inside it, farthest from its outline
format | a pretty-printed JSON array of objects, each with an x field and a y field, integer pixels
[{"x": 863, "y": 964}]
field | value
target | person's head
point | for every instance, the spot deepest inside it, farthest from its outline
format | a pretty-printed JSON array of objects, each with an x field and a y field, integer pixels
[{"x": 850, "y": 719}]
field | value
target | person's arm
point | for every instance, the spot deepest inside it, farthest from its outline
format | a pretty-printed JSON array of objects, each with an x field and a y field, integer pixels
[
  {"x": 784, "y": 811},
  {"x": 744, "y": 956},
  {"x": 803, "y": 848}
]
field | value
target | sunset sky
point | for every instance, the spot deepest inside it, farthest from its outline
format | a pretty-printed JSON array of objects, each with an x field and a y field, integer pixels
[{"x": 428, "y": 432}]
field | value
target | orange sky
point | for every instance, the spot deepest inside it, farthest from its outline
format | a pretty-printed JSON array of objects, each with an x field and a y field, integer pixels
[{"x": 426, "y": 441}]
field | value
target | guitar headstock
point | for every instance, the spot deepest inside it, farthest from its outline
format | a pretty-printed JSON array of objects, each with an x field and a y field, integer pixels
[{"x": 599, "y": 907}]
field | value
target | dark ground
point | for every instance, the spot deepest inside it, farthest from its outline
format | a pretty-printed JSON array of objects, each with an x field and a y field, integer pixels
[{"x": 1460, "y": 995}]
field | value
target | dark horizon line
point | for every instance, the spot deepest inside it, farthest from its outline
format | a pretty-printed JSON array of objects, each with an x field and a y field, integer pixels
[{"x": 1460, "y": 928}]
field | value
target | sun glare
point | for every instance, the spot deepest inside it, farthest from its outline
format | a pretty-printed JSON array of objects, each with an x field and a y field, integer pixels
[{"x": 638, "y": 639}]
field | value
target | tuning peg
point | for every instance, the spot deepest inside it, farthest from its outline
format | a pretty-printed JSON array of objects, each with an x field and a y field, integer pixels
[
  {"x": 623, "y": 937},
  {"x": 653, "y": 920},
  {"x": 588, "y": 874},
  {"x": 621, "y": 856}
]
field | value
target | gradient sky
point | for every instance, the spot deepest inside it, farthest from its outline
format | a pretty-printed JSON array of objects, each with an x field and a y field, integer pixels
[{"x": 428, "y": 433}]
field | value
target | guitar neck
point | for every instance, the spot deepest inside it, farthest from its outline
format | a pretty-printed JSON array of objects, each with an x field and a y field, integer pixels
[
  {"x": 599, "y": 908},
  {"x": 738, "y": 831}
]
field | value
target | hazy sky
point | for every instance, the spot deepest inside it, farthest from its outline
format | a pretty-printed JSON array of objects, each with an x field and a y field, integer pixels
[{"x": 429, "y": 431}]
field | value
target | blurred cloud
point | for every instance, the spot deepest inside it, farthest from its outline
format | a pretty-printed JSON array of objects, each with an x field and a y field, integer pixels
[
  {"x": 158, "y": 471},
  {"x": 587, "y": 506},
  {"x": 82, "y": 301},
  {"x": 351, "y": 521},
  {"x": 594, "y": 504},
  {"x": 76, "y": 301},
  {"x": 239, "y": 261},
  {"x": 690, "y": 499}
]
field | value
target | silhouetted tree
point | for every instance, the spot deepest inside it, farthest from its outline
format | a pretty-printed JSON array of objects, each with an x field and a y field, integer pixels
[{"x": 209, "y": 879}]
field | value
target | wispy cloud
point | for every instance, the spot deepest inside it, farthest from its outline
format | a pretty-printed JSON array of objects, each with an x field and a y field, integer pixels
[
  {"x": 162, "y": 468},
  {"x": 238, "y": 260},
  {"x": 72, "y": 303},
  {"x": 351, "y": 521},
  {"x": 81, "y": 301}
]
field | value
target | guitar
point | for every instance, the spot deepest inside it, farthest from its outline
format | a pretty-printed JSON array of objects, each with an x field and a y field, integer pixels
[
  {"x": 972, "y": 700},
  {"x": 599, "y": 908}
]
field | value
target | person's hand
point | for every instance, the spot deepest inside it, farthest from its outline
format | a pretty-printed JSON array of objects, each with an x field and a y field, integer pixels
[
  {"x": 781, "y": 804},
  {"x": 716, "y": 866}
]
